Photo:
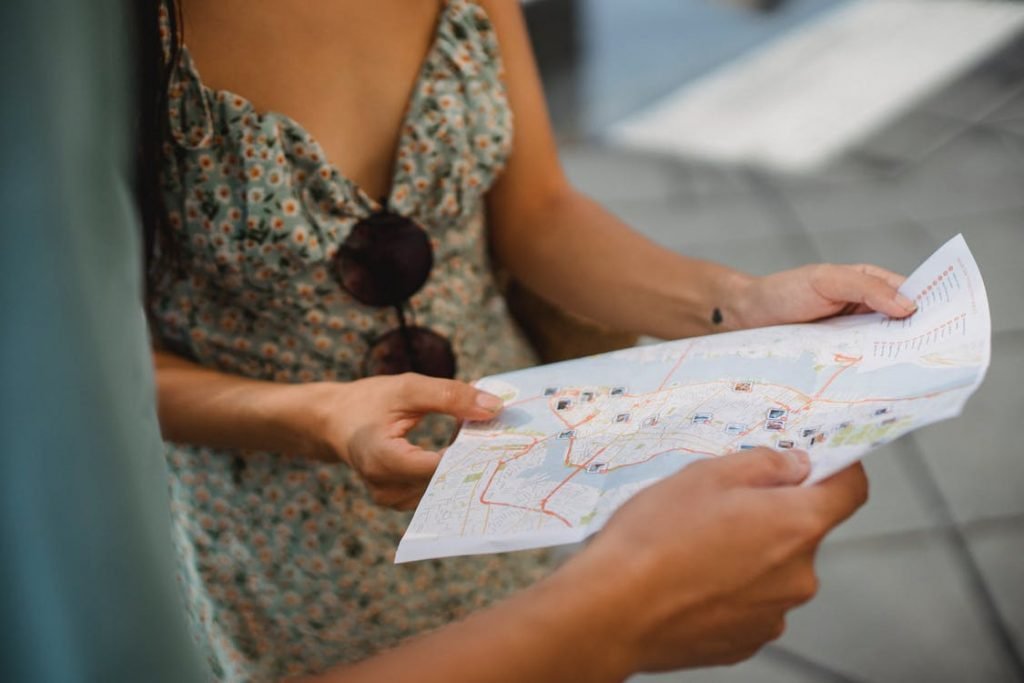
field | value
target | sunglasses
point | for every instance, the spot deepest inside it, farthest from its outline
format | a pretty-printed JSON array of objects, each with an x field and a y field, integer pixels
[{"x": 385, "y": 259}]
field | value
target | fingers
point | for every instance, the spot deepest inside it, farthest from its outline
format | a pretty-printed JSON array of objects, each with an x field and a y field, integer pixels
[
  {"x": 410, "y": 462},
  {"x": 763, "y": 467},
  {"x": 823, "y": 506},
  {"x": 399, "y": 473},
  {"x": 876, "y": 289},
  {"x": 422, "y": 394},
  {"x": 839, "y": 496},
  {"x": 792, "y": 583},
  {"x": 894, "y": 280}
]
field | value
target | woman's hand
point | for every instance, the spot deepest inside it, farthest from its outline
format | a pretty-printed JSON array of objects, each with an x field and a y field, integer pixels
[
  {"x": 364, "y": 424},
  {"x": 819, "y": 291}
]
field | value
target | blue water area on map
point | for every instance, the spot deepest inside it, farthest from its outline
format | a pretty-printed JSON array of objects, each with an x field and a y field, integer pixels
[
  {"x": 900, "y": 380},
  {"x": 798, "y": 372},
  {"x": 639, "y": 377},
  {"x": 657, "y": 468},
  {"x": 551, "y": 467},
  {"x": 795, "y": 372}
]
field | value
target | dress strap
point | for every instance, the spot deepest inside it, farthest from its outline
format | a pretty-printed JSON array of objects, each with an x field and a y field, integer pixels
[
  {"x": 167, "y": 28},
  {"x": 188, "y": 106}
]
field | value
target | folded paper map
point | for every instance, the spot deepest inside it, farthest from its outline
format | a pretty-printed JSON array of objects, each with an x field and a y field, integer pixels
[{"x": 579, "y": 438}]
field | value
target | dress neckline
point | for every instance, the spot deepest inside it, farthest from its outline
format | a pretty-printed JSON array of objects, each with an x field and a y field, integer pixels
[{"x": 411, "y": 107}]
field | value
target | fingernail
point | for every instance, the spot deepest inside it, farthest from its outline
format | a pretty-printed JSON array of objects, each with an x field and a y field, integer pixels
[
  {"x": 488, "y": 402},
  {"x": 799, "y": 458},
  {"x": 905, "y": 302}
]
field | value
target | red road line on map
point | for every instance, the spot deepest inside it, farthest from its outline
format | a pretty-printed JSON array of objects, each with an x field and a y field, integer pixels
[
  {"x": 851, "y": 361},
  {"x": 490, "y": 480},
  {"x": 674, "y": 368},
  {"x": 521, "y": 401},
  {"x": 576, "y": 470}
]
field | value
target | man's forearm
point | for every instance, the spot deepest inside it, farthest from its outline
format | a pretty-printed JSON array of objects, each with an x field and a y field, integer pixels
[
  {"x": 567, "y": 627},
  {"x": 576, "y": 254}
]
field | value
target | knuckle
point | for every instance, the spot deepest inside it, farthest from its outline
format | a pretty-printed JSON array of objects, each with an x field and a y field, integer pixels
[
  {"x": 807, "y": 586},
  {"x": 778, "y": 629},
  {"x": 807, "y": 529},
  {"x": 862, "y": 491},
  {"x": 448, "y": 395},
  {"x": 822, "y": 270},
  {"x": 741, "y": 654},
  {"x": 407, "y": 382},
  {"x": 775, "y": 459}
]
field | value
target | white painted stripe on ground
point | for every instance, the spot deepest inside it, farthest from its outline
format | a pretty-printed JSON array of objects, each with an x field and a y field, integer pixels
[{"x": 803, "y": 99}]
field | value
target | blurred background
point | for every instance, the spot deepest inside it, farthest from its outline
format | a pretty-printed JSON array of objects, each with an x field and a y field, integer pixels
[{"x": 767, "y": 134}]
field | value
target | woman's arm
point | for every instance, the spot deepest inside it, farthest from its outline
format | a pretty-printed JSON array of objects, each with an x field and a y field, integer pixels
[
  {"x": 201, "y": 406},
  {"x": 567, "y": 248},
  {"x": 362, "y": 423}
]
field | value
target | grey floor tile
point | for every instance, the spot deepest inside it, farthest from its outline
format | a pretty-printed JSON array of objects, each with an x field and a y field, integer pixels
[
  {"x": 846, "y": 170},
  {"x": 976, "y": 459},
  {"x": 849, "y": 207},
  {"x": 997, "y": 241},
  {"x": 895, "y": 504},
  {"x": 896, "y": 611},
  {"x": 703, "y": 180},
  {"x": 1009, "y": 115},
  {"x": 900, "y": 247},
  {"x": 909, "y": 138},
  {"x": 1005, "y": 285},
  {"x": 760, "y": 669},
  {"x": 998, "y": 549},
  {"x": 1012, "y": 53},
  {"x": 977, "y": 92},
  {"x": 972, "y": 156},
  {"x": 683, "y": 224},
  {"x": 964, "y": 178},
  {"x": 610, "y": 175}
]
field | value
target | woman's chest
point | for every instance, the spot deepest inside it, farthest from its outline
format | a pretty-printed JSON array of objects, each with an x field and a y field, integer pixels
[{"x": 346, "y": 71}]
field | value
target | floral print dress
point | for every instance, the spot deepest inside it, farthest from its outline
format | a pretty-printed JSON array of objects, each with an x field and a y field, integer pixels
[{"x": 287, "y": 564}]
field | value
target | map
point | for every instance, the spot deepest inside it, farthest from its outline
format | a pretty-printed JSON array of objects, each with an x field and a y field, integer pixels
[{"x": 577, "y": 439}]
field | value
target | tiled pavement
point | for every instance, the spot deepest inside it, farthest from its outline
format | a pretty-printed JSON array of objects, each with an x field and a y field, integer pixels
[{"x": 926, "y": 583}]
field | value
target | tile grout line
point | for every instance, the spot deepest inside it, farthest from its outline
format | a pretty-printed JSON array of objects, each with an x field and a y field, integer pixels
[
  {"x": 920, "y": 472},
  {"x": 795, "y": 660},
  {"x": 782, "y": 210}
]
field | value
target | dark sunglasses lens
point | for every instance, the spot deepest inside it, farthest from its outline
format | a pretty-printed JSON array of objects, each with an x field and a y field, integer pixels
[
  {"x": 415, "y": 349},
  {"x": 385, "y": 260}
]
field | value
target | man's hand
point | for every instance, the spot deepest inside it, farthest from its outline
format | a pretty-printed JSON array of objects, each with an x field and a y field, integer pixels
[{"x": 709, "y": 561}]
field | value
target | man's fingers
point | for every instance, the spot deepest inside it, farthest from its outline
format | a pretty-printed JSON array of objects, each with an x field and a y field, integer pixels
[
  {"x": 763, "y": 467},
  {"x": 792, "y": 583},
  {"x": 838, "y": 497},
  {"x": 422, "y": 394},
  {"x": 856, "y": 286}
]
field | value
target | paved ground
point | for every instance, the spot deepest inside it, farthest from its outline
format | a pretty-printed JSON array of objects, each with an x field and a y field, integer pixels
[{"x": 927, "y": 582}]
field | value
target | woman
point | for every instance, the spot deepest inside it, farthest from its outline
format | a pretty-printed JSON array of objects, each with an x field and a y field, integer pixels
[{"x": 315, "y": 286}]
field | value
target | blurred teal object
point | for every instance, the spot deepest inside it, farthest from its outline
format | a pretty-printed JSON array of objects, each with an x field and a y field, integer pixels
[{"x": 87, "y": 589}]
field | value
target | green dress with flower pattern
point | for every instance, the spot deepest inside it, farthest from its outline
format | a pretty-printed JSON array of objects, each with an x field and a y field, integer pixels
[{"x": 287, "y": 564}]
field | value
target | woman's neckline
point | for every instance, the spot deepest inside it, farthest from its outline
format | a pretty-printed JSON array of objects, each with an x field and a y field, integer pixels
[{"x": 411, "y": 106}]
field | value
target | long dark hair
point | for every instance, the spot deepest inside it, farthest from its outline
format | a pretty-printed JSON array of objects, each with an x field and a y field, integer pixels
[{"x": 152, "y": 77}]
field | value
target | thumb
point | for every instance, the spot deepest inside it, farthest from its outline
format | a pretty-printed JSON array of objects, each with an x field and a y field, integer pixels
[
  {"x": 422, "y": 394},
  {"x": 764, "y": 467}
]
